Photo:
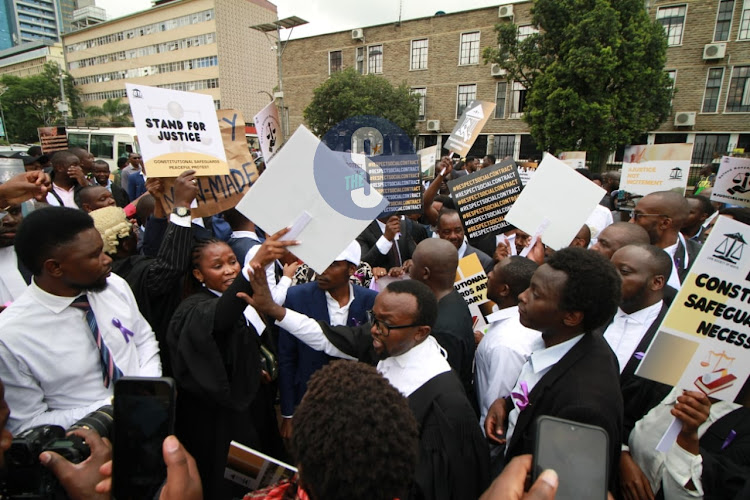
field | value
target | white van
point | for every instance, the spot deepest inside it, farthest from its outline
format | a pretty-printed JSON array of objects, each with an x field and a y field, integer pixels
[{"x": 106, "y": 144}]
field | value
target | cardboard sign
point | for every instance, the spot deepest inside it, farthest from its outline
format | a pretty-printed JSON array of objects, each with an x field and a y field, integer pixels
[
  {"x": 268, "y": 125},
  {"x": 573, "y": 159},
  {"x": 559, "y": 194},
  {"x": 526, "y": 170},
  {"x": 469, "y": 126},
  {"x": 217, "y": 193},
  {"x": 704, "y": 341},
  {"x": 177, "y": 131},
  {"x": 471, "y": 283},
  {"x": 659, "y": 167},
  {"x": 306, "y": 176},
  {"x": 397, "y": 178},
  {"x": 427, "y": 159},
  {"x": 52, "y": 139},
  {"x": 484, "y": 197},
  {"x": 732, "y": 183}
]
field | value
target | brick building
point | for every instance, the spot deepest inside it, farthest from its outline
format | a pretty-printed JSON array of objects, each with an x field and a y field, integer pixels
[{"x": 440, "y": 58}]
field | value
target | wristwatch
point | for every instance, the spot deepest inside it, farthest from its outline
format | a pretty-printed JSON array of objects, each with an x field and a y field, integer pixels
[{"x": 181, "y": 211}]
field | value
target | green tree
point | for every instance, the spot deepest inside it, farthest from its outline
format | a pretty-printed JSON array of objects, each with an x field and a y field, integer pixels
[
  {"x": 113, "y": 112},
  {"x": 594, "y": 74},
  {"x": 347, "y": 94},
  {"x": 32, "y": 102}
]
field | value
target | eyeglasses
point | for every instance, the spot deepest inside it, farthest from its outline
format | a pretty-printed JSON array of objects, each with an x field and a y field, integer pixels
[
  {"x": 638, "y": 215},
  {"x": 383, "y": 328},
  {"x": 136, "y": 157}
]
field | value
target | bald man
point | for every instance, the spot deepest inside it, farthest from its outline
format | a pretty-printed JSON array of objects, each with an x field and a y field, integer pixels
[
  {"x": 90, "y": 198},
  {"x": 662, "y": 214},
  {"x": 617, "y": 236},
  {"x": 434, "y": 264},
  {"x": 583, "y": 237}
]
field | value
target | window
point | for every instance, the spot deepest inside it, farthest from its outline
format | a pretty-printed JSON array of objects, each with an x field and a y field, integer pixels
[
  {"x": 723, "y": 20},
  {"x": 713, "y": 89},
  {"x": 672, "y": 74},
  {"x": 101, "y": 146},
  {"x": 466, "y": 94},
  {"x": 359, "y": 60},
  {"x": 525, "y": 31},
  {"x": 505, "y": 145},
  {"x": 744, "y": 33},
  {"x": 422, "y": 93},
  {"x": 375, "y": 59},
  {"x": 518, "y": 101},
  {"x": 502, "y": 90},
  {"x": 335, "y": 62},
  {"x": 419, "y": 54},
  {"x": 738, "y": 97},
  {"x": 469, "y": 51},
  {"x": 673, "y": 20}
]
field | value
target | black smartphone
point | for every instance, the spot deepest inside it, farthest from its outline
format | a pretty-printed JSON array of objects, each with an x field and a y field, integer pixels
[
  {"x": 579, "y": 453},
  {"x": 144, "y": 416}
]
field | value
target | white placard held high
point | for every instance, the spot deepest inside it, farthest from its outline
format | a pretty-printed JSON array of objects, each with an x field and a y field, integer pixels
[{"x": 268, "y": 125}]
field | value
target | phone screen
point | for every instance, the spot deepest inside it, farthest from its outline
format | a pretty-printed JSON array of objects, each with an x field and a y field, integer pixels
[
  {"x": 579, "y": 454},
  {"x": 143, "y": 417}
]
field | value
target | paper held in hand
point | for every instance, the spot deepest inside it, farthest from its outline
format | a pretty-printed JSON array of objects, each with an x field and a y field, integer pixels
[
  {"x": 268, "y": 125},
  {"x": 469, "y": 126},
  {"x": 732, "y": 183}
]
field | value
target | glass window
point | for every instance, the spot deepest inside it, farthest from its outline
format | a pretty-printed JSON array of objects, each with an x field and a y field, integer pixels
[
  {"x": 500, "y": 93},
  {"x": 466, "y": 94},
  {"x": 744, "y": 33},
  {"x": 723, "y": 20},
  {"x": 525, "y": 31},
  {"x": 738, "y": 97},
  {"x": 419, "y": 54},
  {"x": 422, "y": 93},
  {"x": 505, "y": 145},
  {"x": 78, "y": 140},
  {"x": 713, "y": 89},
  {"x": 359, "y": 60},
  {"x": 101, "y": 146},
  {"x": 469, "y": 50},
  {"x": 518, "y": 101},
  {"x": 673, "y": 20},
  {"x": 375, "y": 59},
  {"x": 672, "y": 73},
  {"x": 334, "y": 62}
]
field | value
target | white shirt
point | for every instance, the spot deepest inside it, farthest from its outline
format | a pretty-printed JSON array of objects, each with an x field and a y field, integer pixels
[
  {"x": 599, "y": 219},
  {"x": 500, "y": 356},
  {"x": 539, "y": 363},
  {"x": 384, "y": 245},
  {"x": 627, "y": 330},
  {"x": 462, "y": 249},
  {"x": 406, "y": 372},
  {"x": 336, "y": 313},
  {"x": 49, "y": 360},
  {"x": 66, "y": 195},
  {"x": 673, "y": 469},
  {"x": 12, "y": 284}
]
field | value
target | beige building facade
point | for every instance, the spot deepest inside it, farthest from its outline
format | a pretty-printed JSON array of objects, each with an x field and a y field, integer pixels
[
  {"x": 29, "y": 59},
  {"x": 203, "y": 46},
  {"x": 439, "y": 57}
]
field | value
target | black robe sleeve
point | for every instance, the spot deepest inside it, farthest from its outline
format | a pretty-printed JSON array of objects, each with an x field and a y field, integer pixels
[{"x": 356, "y": 341}]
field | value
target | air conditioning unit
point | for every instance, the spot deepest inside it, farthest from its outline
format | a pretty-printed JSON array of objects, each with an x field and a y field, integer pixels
[
  {"x": 505, "y": 11},
  {"x": 433, "y": 125},
  {"x": 358, "y": 34},
  {"x": 684, "y": 119},
  {"x": 496, "y": 70},
  {"x": 714, "y": 51}
]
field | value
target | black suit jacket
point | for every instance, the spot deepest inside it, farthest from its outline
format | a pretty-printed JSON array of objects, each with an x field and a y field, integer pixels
[
  {"x": 411, "y": 234},
  {"x": 584, "y": 387},
  {"x": 693, "y": 248}
]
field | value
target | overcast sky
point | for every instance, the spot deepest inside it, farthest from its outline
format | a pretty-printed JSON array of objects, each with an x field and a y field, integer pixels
[{"x": 326, "y": 16}]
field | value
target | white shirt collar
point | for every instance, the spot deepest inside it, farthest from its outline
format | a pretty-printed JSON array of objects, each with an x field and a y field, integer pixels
[
  {"x": 641, "y": 316},
  {"x": 54, "y": 303},
  {"x": 545, "y": 358},
  {"x": 462, "y": 248},
  {"x": 333, "y": 303},
  {"x": 503, "y": 314},
  {"x": 245, "y": 234}
]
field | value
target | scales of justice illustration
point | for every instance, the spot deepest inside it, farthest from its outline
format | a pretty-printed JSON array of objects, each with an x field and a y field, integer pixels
[{"x": 719, "y": 377}]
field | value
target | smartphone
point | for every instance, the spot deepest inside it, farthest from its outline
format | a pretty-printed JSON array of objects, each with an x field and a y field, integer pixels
[
  {"x": 579, "y": 453},
  {"x": 143, "y": 416}
]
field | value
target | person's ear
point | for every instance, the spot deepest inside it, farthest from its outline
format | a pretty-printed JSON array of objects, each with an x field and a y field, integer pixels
[
  {"x": 504, "y": 290},
  {"x": 657, "y": 282},
  {"x": 52, "y": 268},
  {"x": 86, "y": 207},
  {"x": 197, "y": 274},
  {"x": 573, "y": 318},
  {"x": 422, "y": 333},
  {"x": 352, "y": 269}
]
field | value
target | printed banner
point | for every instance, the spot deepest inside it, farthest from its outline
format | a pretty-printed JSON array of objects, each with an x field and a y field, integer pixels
[
  {"x": 704, "y": 341},
  {"x": 471, "y": 283},
  {"x": 52, "y": 139},
  {"x": 733, "y": 182},
  {"x": 469, "y": 126},
  {"x": 398, "y": 179},
  {"x": 427, "y": 159},
  {"x": 526, "y": 170},
  {"x": 221, "y": 192},
  {"x": 484, "y": 197},
  {"x": 573, "y": 159},
  {"x": 268, "y": 125},
  {"x": 660, "y": 167},
  {"x": 177, "y": 131}
]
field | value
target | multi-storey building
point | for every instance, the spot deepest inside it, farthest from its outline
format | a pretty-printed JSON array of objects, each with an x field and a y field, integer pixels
[
  {"x": 439, "y": 57},
  {"x": 24, "y": 21},
  {"x": 29, "y": 58},
  {"x": 205, "y": 46}
]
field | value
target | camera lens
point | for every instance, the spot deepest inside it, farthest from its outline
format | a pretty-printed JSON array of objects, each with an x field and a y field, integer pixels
[{"x": 99, "y": 421}]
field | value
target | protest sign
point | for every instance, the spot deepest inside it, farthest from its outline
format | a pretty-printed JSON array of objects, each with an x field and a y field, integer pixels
[
  {"x": 525, "y": 170},
  {"x": 471, "y": 284},
  {"x": 484, "y": 197},
  {"x": 732, "y": 183},
  {"x": 306, "y": 176},
  {"x": 217, "y": 193},
  {"x": 704, "y": 341},
  {"x": 398, "y": 179},
  {"x": 658, "y": 167},
  {"x": 52, "y": 139},
  {"x": 427, "y": 159},
  {"x": 177, "y": 131},
  {"x": 559, "y": 194},
  {"x": 573, "y": 159},
  {"x": 268, "y": 125},
  {"x": 469, "y": 126}
]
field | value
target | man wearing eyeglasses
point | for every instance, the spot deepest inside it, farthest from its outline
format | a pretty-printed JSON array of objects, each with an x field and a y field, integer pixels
[
  {"x": 454, "y": 456},
  {"x": 662, "y": 215},
  {"x": 135, "y": 164}
]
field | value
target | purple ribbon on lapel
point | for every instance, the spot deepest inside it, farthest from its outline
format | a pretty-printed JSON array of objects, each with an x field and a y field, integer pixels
[
  {"x": 125, "y": 332},
  {"x": 521, "y": 399},
  {"x": 639, "y": 355}
]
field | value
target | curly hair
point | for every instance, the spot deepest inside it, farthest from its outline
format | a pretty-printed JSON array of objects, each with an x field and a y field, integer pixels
[
  {"x": 593, "y": 285},
  {"x": 354, "y": 436}
]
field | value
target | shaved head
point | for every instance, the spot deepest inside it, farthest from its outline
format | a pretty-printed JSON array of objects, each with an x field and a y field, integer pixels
[
  {"x": 670, "y": 203},
  {"x": 435, "y": 262},
  {"x": 617, "y": 235}
]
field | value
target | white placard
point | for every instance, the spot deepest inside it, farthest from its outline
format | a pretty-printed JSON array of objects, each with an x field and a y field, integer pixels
[
  {"x": 647, "y": 169},
  {"x": 733, "y": 182},
  {"x": 268, "y": 125}
]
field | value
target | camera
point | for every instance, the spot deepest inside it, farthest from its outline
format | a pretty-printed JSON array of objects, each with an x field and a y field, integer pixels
[{"x": 26, "y": 478}]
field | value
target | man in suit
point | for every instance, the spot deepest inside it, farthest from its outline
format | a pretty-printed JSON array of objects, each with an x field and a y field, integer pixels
[
  {"x": 390, "y": 242},
  {"x": 136, "y": 184},
  {"x": 662, "y": 215},
  {"x": 571, "y": 373},
  {"x": 449, "y": 228},
  {"x": 331, "y": 299}
]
